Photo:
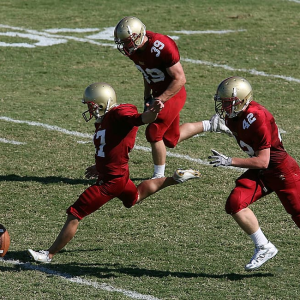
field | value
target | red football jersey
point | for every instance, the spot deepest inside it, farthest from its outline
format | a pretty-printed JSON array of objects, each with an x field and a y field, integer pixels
[
  {"x": 255, "y": 129},
  {"x": 161, "y": 53},
  {"x": 114, "y": 138}
]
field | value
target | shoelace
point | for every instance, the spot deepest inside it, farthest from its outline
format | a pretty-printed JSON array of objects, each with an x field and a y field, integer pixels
[{"x": 260, "y": 256}]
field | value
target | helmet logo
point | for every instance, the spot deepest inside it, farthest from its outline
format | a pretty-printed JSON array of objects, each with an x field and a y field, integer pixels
[
  {"x": 234, "y": 92},
  {"x": 129, "y": 30}
]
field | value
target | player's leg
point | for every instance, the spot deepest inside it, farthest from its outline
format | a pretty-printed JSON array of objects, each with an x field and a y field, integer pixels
[
  {"x": 246, "y": 220},
  {"x": 132, "y": 194},
  {"x": 215, "y": 124},
  {"x": 66, "y": 234},
  {"x": 88, "y": 202},
  {"x": 249, "y": 189},
  {"x": 154, "y": 135},
  {"x": 164, "y": 132},
  {"x": 151, "y": 186},
  {"x": 159, "y": 153},
  {"x": 188, "y": 130}
]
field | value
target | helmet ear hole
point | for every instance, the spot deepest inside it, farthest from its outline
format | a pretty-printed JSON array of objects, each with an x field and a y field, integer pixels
[{"x": 101, "y": 106}]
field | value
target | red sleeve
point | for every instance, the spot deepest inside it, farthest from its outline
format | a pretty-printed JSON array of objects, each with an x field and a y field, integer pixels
[
  {"x": 169, "y": 54},
  {"x": 261, "y": 131},
  {"x": 128, "y": 115}
]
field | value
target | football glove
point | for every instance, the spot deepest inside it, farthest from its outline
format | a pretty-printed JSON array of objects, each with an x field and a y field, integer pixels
[
  {"x": 218, "y": 125},
  {"x": 219, "y": 159},
  {"x": 149, "y": 100}
]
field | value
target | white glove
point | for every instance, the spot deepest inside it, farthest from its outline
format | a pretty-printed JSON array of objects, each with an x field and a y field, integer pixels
[
  {"x": 218, "y": 125},
  {"x": 219, "y": 159}
]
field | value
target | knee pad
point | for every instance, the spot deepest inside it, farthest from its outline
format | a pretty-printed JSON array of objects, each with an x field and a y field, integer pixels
[
  {"x": 234, "y": 203},
  {"x": 170, "y": 144},
  {"x": 153, "y": 133}
]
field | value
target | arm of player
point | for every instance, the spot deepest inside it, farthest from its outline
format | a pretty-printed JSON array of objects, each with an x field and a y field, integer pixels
[
  {"x": 179, "y": 80},
  {"x": 259, "y": 161},
  {"x": 151, "y": 113}
]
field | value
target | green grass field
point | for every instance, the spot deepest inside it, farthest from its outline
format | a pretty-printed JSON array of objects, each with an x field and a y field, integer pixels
[{"x": 179, "y": 243}]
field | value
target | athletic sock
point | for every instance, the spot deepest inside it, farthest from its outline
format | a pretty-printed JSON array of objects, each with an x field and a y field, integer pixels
[
  {"x": 206, "y": 125},
  {"x": 159, "y": 170},
  {"x": 259, "y": 238}
]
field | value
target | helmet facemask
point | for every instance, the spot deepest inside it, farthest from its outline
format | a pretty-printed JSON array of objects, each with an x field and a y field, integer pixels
[
  {"x": 130, "y": 45},
  {"x": 94, "y": 110}
]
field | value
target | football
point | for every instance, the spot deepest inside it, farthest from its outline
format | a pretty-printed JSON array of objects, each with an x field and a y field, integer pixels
[{"x": 4, "y": 240}]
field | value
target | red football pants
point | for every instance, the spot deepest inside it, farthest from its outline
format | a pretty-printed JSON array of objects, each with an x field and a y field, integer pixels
[
  {"x": 97, "y": 195},
  {"x": 284, "y": 180},
  {"x": 166, "y": 126}
]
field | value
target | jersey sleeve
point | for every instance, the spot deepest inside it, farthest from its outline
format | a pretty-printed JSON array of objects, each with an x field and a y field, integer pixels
[
  {"x": 128, "y": 115},
  {"x": 261, "y": 132},
  {"x": 169, "y": 53}
]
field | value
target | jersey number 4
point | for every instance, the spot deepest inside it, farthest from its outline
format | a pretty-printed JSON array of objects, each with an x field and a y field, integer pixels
[{"x": 249, "y": 121}]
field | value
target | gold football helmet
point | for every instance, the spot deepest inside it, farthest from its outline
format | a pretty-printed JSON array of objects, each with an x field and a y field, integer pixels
[
  {"x": 129, "y": 35},
  {"x": 233, "y": 96},
  {"x": 100, "y": 98}
]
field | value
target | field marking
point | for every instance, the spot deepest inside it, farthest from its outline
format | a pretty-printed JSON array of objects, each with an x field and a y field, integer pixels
[
  {"x": 48, "y": 127},
  {"x": 79, "y": 280},
  {"x": 90, "y": 137},
  {"x": 45, "y": 38},
  {"x": 250, "y": 71},
  {"x": 189, "y": 32},
  {"x": 11, "y": 142}
]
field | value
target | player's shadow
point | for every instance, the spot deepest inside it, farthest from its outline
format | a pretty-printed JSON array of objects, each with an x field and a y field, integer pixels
[
  {"x": 117, "y": 270},
  {"x": 109, "y": 270},
  {"x": 45, "y": 180}
]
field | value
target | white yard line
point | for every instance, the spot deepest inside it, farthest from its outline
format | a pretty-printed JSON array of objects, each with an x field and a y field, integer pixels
[
  {"x": 90, "y": 136},
  {"x": 48, "y": 38},
  {"x": 48, "y": 127},
  {"x": 5, "y": 141},
  {"x": 79, "y": 280},
  {"x": 250, "y": 71}
]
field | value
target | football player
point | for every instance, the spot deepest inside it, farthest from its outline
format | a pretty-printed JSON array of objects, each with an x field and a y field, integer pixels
[
  {"x": 270, "y": 167},
  {"x": 157, "y": 57},
  {"x": 116, "y": 127}
]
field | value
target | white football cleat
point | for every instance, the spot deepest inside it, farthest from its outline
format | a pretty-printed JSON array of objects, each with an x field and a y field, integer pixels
[
  {"x": 181, "y": 175},
  {"x": 261, "y": 255},
  {"x": 41, "y": 256},
  {"x": 218, "y": 125}
]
